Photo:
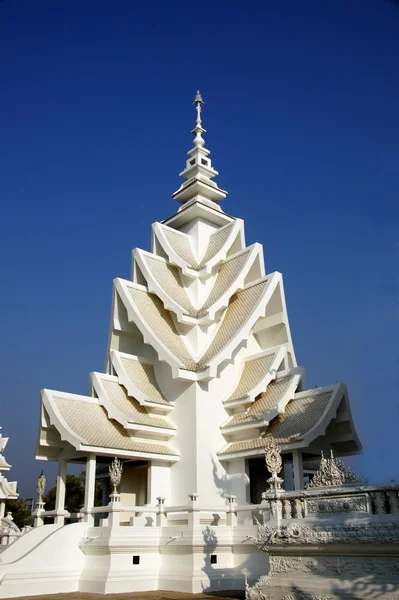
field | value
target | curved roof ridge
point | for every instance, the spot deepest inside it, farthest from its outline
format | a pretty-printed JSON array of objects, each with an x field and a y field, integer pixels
[
  {"x": 120, "y": 406},
  {"x": 138, "y": 376},
  {"x": 164, "y": 280},
  {"x": 177, "y": 246}
]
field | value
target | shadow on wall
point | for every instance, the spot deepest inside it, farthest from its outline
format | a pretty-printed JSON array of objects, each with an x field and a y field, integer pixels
[
  {"x": 221, "y": 481},
  {"x": 357, "y": 591},
  {"x": 378, "y": 578},
  {"x": 218, "y": 575},
  {"x": 348, "y": 576}
]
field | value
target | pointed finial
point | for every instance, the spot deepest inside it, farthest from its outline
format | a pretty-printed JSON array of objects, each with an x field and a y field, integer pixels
[
  {"x": 199, "y": 140},
  {"x": 198, "y": 98}
]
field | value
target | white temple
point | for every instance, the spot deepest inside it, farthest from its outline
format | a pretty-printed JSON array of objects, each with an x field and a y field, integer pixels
[
  {"x": 8, "y": 489},
  {"x": 200, "y": 368}
]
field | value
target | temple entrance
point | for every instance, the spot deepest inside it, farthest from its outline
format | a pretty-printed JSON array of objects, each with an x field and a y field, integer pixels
[{"x": 258, "y": 474}]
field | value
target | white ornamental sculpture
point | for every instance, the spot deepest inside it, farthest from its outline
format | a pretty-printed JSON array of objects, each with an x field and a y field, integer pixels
[
  {"x": 115, "y": 474},
  {"x": 332, "y": 471},
  {"x": 274, "y": 463},
  {"x": 41, "y": 487}
]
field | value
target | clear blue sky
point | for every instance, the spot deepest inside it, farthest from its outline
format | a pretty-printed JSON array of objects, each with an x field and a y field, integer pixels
[{"x": 302, "y": 113}]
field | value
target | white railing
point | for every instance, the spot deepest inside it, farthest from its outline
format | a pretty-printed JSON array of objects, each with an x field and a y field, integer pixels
[
  {"x": 162, "y": 515},
  {"x": 318, "y": 501},
  {"x": 9, "y": 532},
  {"x": 288, "y": 505}
]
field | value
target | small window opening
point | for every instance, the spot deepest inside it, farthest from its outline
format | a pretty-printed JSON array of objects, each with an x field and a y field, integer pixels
[
  {"x": 214, "y": 559},
  {"x": 203, "y": 161},
  {"x": 136, "y": 560},
  {"x": 192, "y": 162}
]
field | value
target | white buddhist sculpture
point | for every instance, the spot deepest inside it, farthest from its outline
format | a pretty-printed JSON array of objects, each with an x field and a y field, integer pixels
[{"x": 200, "y": 376}]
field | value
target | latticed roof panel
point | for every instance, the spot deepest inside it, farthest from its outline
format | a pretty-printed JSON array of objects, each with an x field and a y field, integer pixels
[{"x": 89, "y": 422}]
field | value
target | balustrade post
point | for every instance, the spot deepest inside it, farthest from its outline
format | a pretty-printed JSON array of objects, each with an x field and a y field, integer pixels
[
  {"x": 379, "y": 503},
  {"x": 231, "y": 516},
  {"x": 114, "y": 510},
  {"x": 298, "y": 508},
  {"x": 393, "y": 501},
  {"x": 287, "y": 511},
  {"x": 37, "y": 515},
  {"x": 193, "y": 515},
  {"x": 161, "y": 517}
]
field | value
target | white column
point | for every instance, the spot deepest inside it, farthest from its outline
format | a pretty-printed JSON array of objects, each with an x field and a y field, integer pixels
[
  {"x": 90, "y": 486},
  {"x": 158, "y": 481},
  {"x": 239, "y": 483},
  {"x": 2, "y": 508},
  {"x": 60, "y": 495},
  {"x": 288, "y": 476},
  {"x": 297, "y": 464}
]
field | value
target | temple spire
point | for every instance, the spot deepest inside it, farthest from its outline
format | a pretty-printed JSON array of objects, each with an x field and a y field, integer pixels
[
  {"x": 199, "y": 173},
  {"x": 198, "y": 130}
]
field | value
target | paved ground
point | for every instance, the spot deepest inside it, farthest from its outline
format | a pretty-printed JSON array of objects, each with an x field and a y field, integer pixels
[{"x": 233, "y": 595}]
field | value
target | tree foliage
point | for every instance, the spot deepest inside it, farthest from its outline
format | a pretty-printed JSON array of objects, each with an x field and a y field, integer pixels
[
  {"x": 20, "y": 512},
  {"x": 74, "y": 493}
]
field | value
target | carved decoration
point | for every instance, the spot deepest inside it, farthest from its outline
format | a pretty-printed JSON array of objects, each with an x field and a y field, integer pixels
[
  {"x": 336, "y": 565},
  {"x": 298, "y": 595},
  {"x": 298, "y": 506},
  {"x": 256, "y": 592},
  {"x": 379, "y": 503},
  {"x": 41, "y": 486},
  {"x": 393, "y": 501},
  {"x": 115, "y": 474},
  {"x": 273, "y": 460},
  {"x": 287, "y": 510},
  {"x": 336, "y": 505},
  {"x": 354, "y": 533},
  {"x": 332, "y": 471}
]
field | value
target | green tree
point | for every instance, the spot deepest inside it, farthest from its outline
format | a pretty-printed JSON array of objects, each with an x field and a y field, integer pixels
[
  {"x": 20, "y": 512},
  {"x": 74, "y": 493}
]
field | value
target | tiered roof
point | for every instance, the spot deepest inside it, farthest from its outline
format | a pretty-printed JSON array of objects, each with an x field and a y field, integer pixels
[{"x": 201, "y": 300}]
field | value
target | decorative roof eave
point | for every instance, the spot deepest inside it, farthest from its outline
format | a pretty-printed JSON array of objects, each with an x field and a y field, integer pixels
[
  {"x": 244, "y": 331},
  {"x": 69, "y": 436},
  {"x": 279, "y": 355},
  {"x": 3, "y": 442},
  {"x": 4, "y": 465},
  {"x": 339, "y": 394},
  {"x": 202, "y": 170},
  {"x": 237, "y": 228},
  {"x": 164, "y": 354},
  {"x": 130, "y": 385},
  {"x": 268, "y": 416},
  {"x": 203, "y": 370},
  {"x": 198, "y": 208},
  {"x": 254, "y": 252},
  {"x": 283, "y": 320},
  {"x": 196, "y": 186},
  {"x": 155, "y": 287},
  {"x": 172, "y": 457},
  {"x": 116, "y": 414},
  {"x": 8, "y": 489}
]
